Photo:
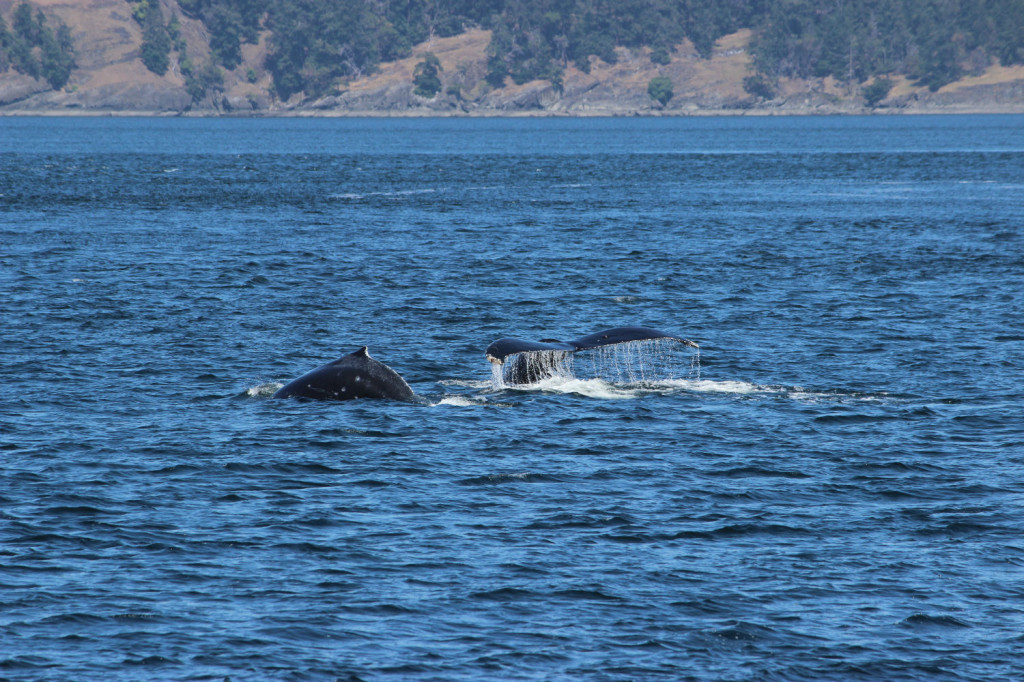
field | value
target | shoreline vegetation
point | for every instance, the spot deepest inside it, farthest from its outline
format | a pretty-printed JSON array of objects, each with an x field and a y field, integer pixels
[
  {"x": 496, "y": 58},
  {"x": 421, "y": 114}
]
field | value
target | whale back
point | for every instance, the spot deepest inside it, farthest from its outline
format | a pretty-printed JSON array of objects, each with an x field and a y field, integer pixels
[{"x": 350, "y": 377}]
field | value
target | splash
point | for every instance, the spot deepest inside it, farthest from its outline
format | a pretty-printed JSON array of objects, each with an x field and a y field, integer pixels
[
  {"x": 263, "y": 390},
  {"x": 460, "y": 401},
  {"x": 590, "y": 388},
  {"x": 647, "y": 361}
]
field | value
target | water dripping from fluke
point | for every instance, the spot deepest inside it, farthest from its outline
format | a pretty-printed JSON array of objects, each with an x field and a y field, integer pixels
[{"x": 624, "y": 355}]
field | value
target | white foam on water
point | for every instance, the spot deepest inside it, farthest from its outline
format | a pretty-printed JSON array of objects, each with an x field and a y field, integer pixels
[
  {"x": 355, "y": 196},
  {"x": 797, "y": 393},
  {"x": 475, "y": 384},
  {"x": 708, "y": 386},
  {"x": 264, "y": 390},
  {"x": 791, "y": 392},
  {"x": 460, "y": 401},
  {"x": 637, "y": 368},
  {"x": 591, "y": 388},
  {"x": 599, "y": 388}
]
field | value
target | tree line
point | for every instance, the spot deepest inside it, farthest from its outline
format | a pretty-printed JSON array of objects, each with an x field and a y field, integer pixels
[
  {"x": 933, "y": 42},
  {"x": 315, "y": 44},
  {"x": 37, "y": 46}
]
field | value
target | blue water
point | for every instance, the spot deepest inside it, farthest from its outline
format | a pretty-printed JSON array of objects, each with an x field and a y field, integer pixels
[{"x": 836, "y": 491}]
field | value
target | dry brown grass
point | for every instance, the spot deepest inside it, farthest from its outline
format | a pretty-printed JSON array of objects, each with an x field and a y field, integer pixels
[
  {"x": 108, "y": 40},
  {"x": 453, "y": 53}
]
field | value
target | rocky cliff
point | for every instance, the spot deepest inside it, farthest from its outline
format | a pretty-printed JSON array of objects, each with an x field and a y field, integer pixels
[{"x": 110, "y": 78}]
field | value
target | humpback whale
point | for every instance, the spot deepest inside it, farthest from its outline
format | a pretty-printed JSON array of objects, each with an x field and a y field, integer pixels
[
  {"x": 350, "y": 377},
  {"x": 532, "y": 361},
  {"x": 357, "y": 375}
]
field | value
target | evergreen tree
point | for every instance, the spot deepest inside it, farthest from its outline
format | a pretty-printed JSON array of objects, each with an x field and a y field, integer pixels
[
  {"x": 32, "y": 47},
  {"x": 426, "y": 76},
  {"x": 6, "y": 40},
  {"x": 660, "y": 89},
  {"x": 225, "y": 24},
  {"x": 877, "y": 91},
  {"x": 58, "y": 58},
  {"x": 25, "y": 25},
  {"x": 759, "y": 85},
  {"x": 156, "y": 41},
  {"x": 1008, "y": 35}
]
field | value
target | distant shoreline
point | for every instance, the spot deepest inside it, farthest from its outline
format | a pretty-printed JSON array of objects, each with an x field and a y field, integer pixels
[
  {"x": 430, "y": 113},
  {"x": 111, "y": 80}
]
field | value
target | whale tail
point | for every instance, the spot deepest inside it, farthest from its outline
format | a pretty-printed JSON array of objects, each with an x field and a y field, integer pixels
[{"x": 531, "y": 361}]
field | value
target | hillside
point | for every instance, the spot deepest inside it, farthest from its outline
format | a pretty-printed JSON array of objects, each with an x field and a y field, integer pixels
[{"x": 110, "y": 76}]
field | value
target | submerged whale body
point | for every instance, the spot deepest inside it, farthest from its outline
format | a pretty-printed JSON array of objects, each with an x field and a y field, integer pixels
[
  {"x": 350, "y": 377},
  {"x": 531, "y": 361}
]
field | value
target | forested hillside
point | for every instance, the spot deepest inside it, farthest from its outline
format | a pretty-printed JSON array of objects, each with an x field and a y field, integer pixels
[
  {"x": 315, "y": 43},
  {"x": 36, "y": 46},
  {"x": 280, "y": 49}
]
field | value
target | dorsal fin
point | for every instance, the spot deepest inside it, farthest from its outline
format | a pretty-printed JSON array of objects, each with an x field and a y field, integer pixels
[{"x": 362, "y": 353}]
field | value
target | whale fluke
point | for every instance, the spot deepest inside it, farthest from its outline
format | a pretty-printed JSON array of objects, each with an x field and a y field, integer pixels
[
  {"x": 523, "y": 371},
  {"x": 350, "y": 377},
  {"x": 502, "y": 348}
]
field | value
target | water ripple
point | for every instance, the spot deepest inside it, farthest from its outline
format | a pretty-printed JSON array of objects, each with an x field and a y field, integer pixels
[{"x": 831, "y": 491}]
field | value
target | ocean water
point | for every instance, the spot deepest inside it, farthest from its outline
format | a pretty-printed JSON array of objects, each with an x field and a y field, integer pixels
[{"x": 832, "y": 490}]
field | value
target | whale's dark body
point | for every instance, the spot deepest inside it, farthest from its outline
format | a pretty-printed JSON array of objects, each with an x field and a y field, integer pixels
[
  {"x": 350, "y": 377},
  {"x": 532, "y": 361}
]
